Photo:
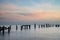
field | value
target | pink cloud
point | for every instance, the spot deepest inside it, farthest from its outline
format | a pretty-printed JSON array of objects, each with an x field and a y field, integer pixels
[
  {"x": 11, "y": 13},
  {"x": 34, "y": 16}
]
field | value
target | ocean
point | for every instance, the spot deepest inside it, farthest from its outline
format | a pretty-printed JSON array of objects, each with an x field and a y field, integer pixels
[{"x": 32, "y": 33}]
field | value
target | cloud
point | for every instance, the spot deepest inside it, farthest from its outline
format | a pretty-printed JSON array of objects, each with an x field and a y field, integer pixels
[
  {"x": 40, "y": 7},
  {"x": 32, "y": 17},
  {"x": 43, "y": 11},
  {"x": 14, "y": 9}
]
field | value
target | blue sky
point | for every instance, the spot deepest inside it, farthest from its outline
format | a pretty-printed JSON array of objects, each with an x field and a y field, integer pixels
[{"x": 29, "y": 2}]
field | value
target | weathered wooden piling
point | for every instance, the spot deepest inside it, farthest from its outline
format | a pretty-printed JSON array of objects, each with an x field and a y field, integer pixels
[
  {"x": 48, "y": 25},
  {"x": 42, "y": 25},
  {"x": 21, "y": 28},
  {"x": 8, "y": 29},
  {"x": 25, "y": 27},
  {"x": 29, "y": 26},
  {"x": 0, "y": 29},
  {"x": 57, "y": 25},
  {"x": 16, "y": 27},
  {"x": 3, "y": 29},
  {"x": 34, "y": 26}
]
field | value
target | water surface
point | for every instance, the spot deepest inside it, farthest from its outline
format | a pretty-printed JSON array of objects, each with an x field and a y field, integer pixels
[{"x": 50, "y": 33}]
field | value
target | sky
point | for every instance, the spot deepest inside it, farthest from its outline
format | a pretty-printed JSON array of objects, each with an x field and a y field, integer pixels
[{"x": 29, "y": 10}]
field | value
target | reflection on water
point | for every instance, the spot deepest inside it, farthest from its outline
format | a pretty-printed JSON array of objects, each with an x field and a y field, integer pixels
[{"x": 31, "y": 32}]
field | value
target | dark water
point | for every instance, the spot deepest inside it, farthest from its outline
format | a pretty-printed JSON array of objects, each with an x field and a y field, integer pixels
[{"x": 51, "y": 33}]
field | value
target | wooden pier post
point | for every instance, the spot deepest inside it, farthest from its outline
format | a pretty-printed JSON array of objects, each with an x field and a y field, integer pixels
[
  {"x": 16, "y": 27},
  {"x": 42, "y": 25},
  {"x": 0, "y": 28},
  {"x": 57, "y": 25},
  {"x": 29, "y": 26},
  {"x": 48, "y": 25},
  {"x": 21, "y": 28},
  {"x": 34, "y": 26},
  {"x": 3, "y": 30},
  {"x": 8, "y": 29},
  {"x": 25, "y": 27}
]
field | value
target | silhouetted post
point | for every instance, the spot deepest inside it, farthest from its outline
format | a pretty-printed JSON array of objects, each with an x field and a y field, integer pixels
[
  {"x": 0, "y": 29},
  {"x": 57, "y": 25},
  {"x": 29, "y": 26},
  {"x": 48, "y": 25},
  {"x": 8, "y": 29},
  {"x": 3, "y": 29},
  {"x": 34, "y": 26},
  {"x": 42, "y": 25},
  {"x": 16, "y": 27},
  {"x": 21, "y": 28}
]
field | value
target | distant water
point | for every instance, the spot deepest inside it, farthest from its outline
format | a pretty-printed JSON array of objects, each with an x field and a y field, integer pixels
[{"x": 50, "y": 33}]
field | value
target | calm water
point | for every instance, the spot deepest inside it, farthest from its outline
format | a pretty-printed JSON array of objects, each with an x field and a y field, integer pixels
[{"x": 51, "y": 33}]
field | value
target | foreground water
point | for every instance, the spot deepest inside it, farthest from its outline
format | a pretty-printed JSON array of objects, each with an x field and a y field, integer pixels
[{"x": 50, "y": 33}]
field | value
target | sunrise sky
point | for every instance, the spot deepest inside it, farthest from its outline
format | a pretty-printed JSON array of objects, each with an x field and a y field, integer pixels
[{"x": 29, "y": 10}]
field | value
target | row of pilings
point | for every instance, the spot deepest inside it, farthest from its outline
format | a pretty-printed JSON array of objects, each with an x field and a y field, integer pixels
[
  {"x": 3, "y": 28},
  {"x": 49, "y": 25}
]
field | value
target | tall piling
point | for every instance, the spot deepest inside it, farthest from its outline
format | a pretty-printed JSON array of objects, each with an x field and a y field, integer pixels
[
  {"x": 29, "y": 26},
  {"x": 16, "y": 27},
  {"x": 34, "y": 26},
  {"x": 21, "y": 28},
  {"x": 3, "y": 29},
  {"x": 8, "y": 29}
]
